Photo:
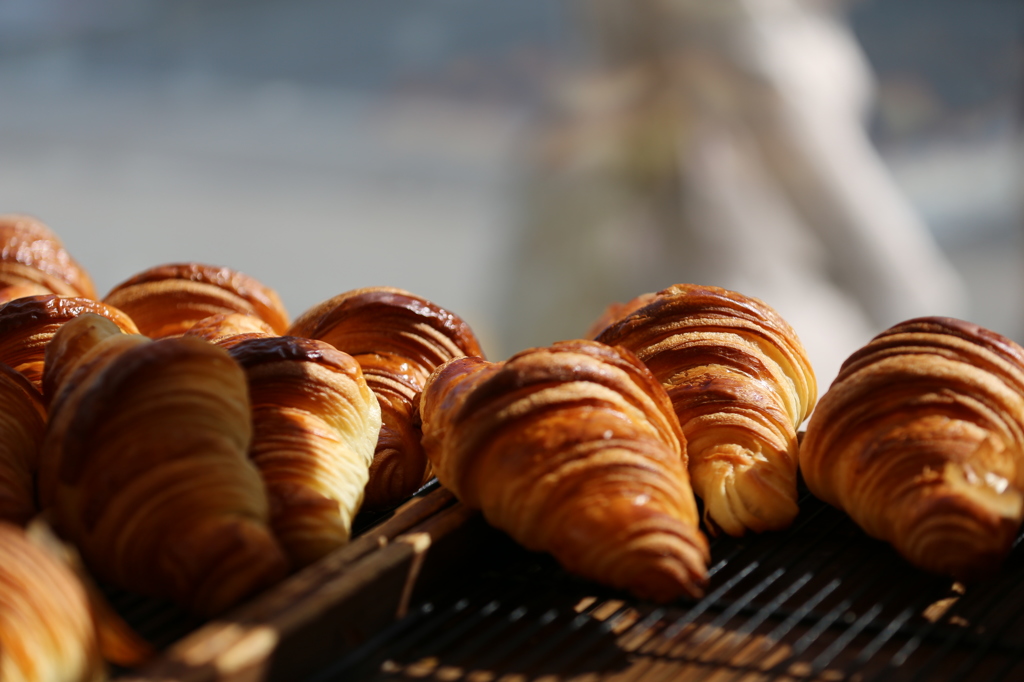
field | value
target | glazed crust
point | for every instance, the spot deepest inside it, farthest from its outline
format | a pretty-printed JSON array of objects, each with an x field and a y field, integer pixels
[
  {"x": 572, "y": 450},
  {"x": 740, "y": 383},
  {"x": 315, "y": 428},
  {"x": 167, "y": 300},
  {"x": 32, "y": 256},
  {"x": 920, "y": 440},
  {"x": 398, "y": 339},
  {"x": 145, "y": 466},
  {"x": 27, "y": 325},
  {"x": 22, "y": 422}
]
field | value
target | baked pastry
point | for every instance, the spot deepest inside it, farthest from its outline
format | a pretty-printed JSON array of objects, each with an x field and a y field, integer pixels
[
  {"x": 145, "y": 466},
  {"x": 572, "y": 450},
  {"x": 920, "y": 439},
  {"x": 32, "y": 256},
  {"x": 28, "y": 324},
  {"x": 740, "y": 383},
  {"x": 226, "y": 330},
  {"x": 315, "y": 426},
  {"x": 168, "y": 299},
  {"x": 22, "y": 422},
  {"x": 46, "y": 626},
  {"x": 398, "y": 339}
]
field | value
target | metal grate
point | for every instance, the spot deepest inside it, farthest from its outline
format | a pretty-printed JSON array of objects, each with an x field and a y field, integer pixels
[
  {"x": 162, "y": 623},
  {"x": 818, "y": 602}
]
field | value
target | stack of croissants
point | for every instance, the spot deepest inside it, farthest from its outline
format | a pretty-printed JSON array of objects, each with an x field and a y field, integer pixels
[{"x": 183, "y": 439}]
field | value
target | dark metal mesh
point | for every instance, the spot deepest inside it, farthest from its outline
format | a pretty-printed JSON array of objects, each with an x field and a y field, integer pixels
[{"x": 819, "y": 601}]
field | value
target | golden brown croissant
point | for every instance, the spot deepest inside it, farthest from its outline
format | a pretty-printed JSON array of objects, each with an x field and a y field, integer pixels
[
  {"x": 920, "y": 439},
  {"x": 32, "y": 256},
  {"x": 46, "y": 627},
  {"x": 145, "y": 468},
  {"x": 168, "y": 299},
  {"x": 398, "y": 339},
  {"x": 572, "y": 450},
  {"x": 228, "y": 330},
  {"x": 28, "y": 324},
  {"x": 740, "y": 383},
  {"x": 315, "y": 429},
  {"x": 22, "y": 421}
]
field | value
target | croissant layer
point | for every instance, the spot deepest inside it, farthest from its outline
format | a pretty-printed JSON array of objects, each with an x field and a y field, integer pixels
[
  {"x": 315, "y": 428},
  {"x": 398, "y": 339},
  {"x": 920, "y": 440},
  {"x": 22, "y": 423},
  {"x": 145, "y": 466},
  {"x": 28, "y": 324},
  {"x": 167, "y": 300},
  {"x": 740, "y": 383},
  {"x": 46, "y": 627},
  {"x": 33, "y": 260},
  {"x": 572, "y": 450}
]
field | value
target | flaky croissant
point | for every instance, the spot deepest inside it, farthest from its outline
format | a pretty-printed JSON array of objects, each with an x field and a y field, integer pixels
[
  {"x": 315, "y": 429},
  {"x": 920, "y": 439},
  {"x": 572, "y": 450},
  {"x": 144, "y": 466},
  {"x": 46, "y": 626},
  {"x": 228, "y": 330},
  {"x": 22, "y": 422},
  {"x": 168, "y": 299},
  {"x": 33, "y": 259},
  {"x": 28, "y": 324},
  {"x": 398, "y": 339},
  {"x": 740, "y": 383}
]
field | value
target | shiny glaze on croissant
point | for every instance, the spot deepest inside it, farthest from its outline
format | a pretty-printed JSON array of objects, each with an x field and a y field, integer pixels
[
  {"x": 33, "y": 257},
  {"x": 231, "y": 329},
  {"x": 920, "y": 440},
  {"x": 145, "y": 466},
  {"x": 168, "y": 299},
  {"x": 572, "y": 450},
  {"x": 740, "y": 383},
  {"x": 28, "y": 324},
  {"x": 398, "y": 339},
  {"x": 22, "y": 422},
  {"x": 46, "y": 627},
  {"x": 315, "y": 427}
]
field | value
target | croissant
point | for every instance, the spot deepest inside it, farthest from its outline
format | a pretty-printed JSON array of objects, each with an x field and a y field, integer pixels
[
  {"x": 46, "y": 627},
  {"x": 32, "y": 256},
  {"x": 740, "y": 383},
  {"x": 144, "y": 466},
  {"x": 398, "y": 339},
  {"x": 168, "y": 299},
  {"x": 28, "y": 324},
  {"x": 22, "y": 421},
  {"x": 572, "y": 450},
  {"x": 920, "y": 440},
  {"x": 315, "y": 428},
  {"x": 226, "y": 330}
]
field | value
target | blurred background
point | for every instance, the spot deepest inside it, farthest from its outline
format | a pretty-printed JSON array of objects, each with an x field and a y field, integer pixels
[{"x": 526, "y": 163}]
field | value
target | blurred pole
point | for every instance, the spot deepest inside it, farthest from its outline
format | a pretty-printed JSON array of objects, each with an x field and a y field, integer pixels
[{"x": 721, "y": 143}]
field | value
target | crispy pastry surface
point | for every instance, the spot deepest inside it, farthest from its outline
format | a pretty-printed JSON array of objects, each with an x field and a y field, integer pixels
[
  {"x": 231, "y": 329},
  {"x": 145, "y": 466},
  {"x": 22, "y": 422},
  {"x": 33, "y": 257},
  {"x": 315, "y": 427},
  {"x": 572, "y": 450},
  {"x": 46, "y": 627},
  {"x": 168, "y": 299},
  {"x": 398, "y": 339},
  {"x": 28, "y": 324},
  {"x": 740, "y": 383},
  {"x": 920, "y": 440}
]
